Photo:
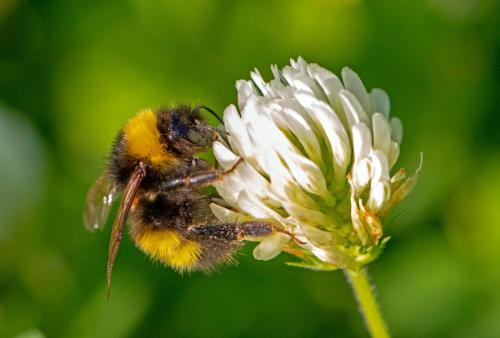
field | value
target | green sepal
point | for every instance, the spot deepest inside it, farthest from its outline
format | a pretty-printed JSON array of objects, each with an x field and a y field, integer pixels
[
  {"x": 315, "y": 266},
  {"x": 373, "y": 252}
]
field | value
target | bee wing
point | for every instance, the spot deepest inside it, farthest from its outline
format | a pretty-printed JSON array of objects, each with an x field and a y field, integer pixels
[{"x": 99, "y": 200}]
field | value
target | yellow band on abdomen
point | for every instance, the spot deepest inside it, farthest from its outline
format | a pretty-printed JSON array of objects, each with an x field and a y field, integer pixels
[{"x": 168, "y": 247}]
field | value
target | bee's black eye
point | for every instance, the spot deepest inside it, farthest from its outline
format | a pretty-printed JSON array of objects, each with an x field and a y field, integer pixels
[{"x": 178, "y": 127}]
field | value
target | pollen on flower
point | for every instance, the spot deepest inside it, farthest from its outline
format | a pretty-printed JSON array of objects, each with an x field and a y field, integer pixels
[{"x": 318, "y": 155}]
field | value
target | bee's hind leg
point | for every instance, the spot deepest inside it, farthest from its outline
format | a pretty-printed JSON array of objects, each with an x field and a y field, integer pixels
[
  {"x": 233, "y": 231},
  {"x": 238, "y": 231}
]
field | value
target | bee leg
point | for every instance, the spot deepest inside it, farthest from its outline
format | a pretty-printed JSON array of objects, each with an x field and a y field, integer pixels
[
  {"x": 259, "y": 230},
  {"x": 199, "y": 164},
  {"x": 238, "y": 231},
  {"x": 233, "y": 231},
  {"x": 199, "y": 180}
]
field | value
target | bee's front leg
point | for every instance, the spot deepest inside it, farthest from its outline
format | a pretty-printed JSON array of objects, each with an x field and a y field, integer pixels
[{"x": 197, "y": 180}]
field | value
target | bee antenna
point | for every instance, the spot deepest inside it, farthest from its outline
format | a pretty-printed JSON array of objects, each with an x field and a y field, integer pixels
[{"x": 217, "y": 116}]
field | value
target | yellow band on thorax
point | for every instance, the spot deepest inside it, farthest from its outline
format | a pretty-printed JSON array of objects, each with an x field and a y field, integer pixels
[{"x": 143, "y": 139}]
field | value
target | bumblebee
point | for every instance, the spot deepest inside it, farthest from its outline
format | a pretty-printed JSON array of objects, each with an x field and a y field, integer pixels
[{"x": 153, "y": 165}]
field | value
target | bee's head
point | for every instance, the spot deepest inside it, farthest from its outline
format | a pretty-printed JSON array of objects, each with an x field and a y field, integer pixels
[{"x": 184, "y": 130}]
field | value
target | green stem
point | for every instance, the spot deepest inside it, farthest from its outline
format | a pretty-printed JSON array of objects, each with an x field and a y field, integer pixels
[{"x": 367, "y": 303}]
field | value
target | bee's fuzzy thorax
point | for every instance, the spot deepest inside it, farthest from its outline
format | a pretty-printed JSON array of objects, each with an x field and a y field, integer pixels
[{"x": 143, "y": 140}]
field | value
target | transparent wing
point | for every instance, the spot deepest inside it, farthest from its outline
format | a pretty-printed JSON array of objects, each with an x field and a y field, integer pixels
[{"x": 99, "y": 200}]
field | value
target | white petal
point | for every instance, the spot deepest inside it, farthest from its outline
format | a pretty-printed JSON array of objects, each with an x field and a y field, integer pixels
[
  {"x": 333, "y": 255},
  {"x": 279, "y": 174},
  {"x": 256, "y": 184},
  {"x": 353, "y": 83},
  {"x": 255, "y": 109},
  {"x": 357, "y": 220},
  {"x": 380, "y": 166},
  {"x": 397, "y": 130},
  {"x": 284, "y": 185},
  {"x": 328, "y": 81},
  {"x": 293, "y": 199},
  {"x": 353, "y": 110},
  {"x": 320, "y": 237},
  {"x": 381, "y": 102},
  {"x": 245, "y": 90},
  {"x": 381, "y": 133},
  {"x": 380, "y": 193},
  {"x": 259, "y": 82},
  {"x": 305, "y": 172},
  {"x": 362, "y": 173},
  {"x": 361, "y": 141},
  {"x": 393, "y": 155},
  {"x": 246, "y": 176},
  {"x": 302, "y": 81},
  {"x": 275, "y": 88},
  {"x": 329, "y": 122},
  {"x": 252, "y": 206},
  {"x": 315, "y": 235},
  {"x": 307, "y": 216},
  {"x": 246, "y": 172},
  {"x": 229, "y": 189},
  {"x": 300, "y": 64},
  {"x": 331, "y": 86},
  {"x": 276, "y": 72},
  {"x": 290, "y": 119},
  {"x": 262, "y": 133},
  {"x": 299, "y": 197},
  {"x": 225, "y": 157},
  {"x": 238, "y": 136},
  {"x": 270, "y": 247},
  {"x": 265, "y": 137},
  {"x": 226, "y": 215}
]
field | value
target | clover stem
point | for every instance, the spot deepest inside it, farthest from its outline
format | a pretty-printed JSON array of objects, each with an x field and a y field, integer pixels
[{"x": 368, "y": 307}]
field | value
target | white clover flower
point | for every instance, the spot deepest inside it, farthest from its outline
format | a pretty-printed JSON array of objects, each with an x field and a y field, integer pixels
[{"x": 318, "y": 154}]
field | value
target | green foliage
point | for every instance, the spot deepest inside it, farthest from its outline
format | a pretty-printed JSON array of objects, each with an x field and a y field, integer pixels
[{"x": 72, "y": 72}]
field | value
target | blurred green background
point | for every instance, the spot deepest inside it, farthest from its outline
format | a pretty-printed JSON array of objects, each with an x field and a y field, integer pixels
[{"x": 72, "y": 72}]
